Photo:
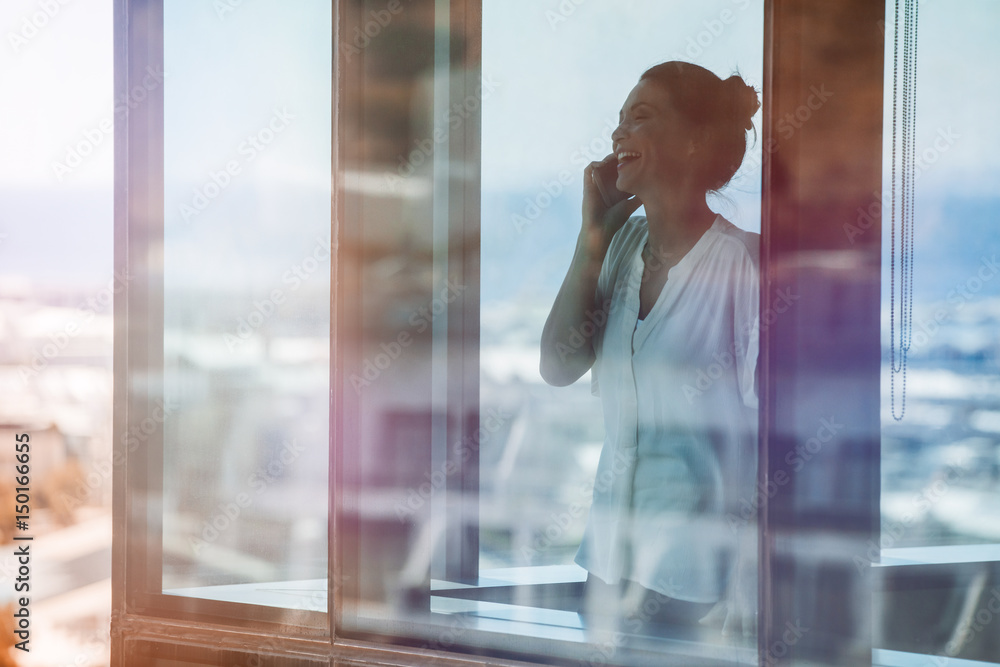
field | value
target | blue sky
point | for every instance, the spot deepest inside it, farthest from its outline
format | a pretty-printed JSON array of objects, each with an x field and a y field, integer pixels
[
  {"x": 565, "y": 74},
  {"x": 57, "y": 91},
  {"x": 561, "y": 81},
  {"x": 565, "y": 69}
]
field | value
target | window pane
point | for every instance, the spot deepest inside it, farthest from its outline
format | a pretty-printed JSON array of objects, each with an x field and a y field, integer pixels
[
  {"x": 246, "y": 255},
  {"x": 941, "y": 461},
  {"x": 940, "y": 505},
  {"x": 468, "y": 512}
]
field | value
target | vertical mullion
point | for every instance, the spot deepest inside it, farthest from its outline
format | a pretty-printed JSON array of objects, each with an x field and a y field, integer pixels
[
  {"x": 334, "y": 565},
  {"x": 150, "y": 251},
  {"x": 141, "y": 235},
  {"x": 447, "y": 561},
  {"x": 347, "y": 333},
  {"x": 820, "y": 357},
  {"x": 765, "y": 609},
  {"x": 464, "y": 57},
  {"x": 138, "y": 354},
  {"x": 120, "y": 496},
  {"x": 471, "y": 18}
]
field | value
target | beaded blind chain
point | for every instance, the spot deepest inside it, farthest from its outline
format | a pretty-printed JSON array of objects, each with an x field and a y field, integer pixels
[{"x": 904, "y": 115}]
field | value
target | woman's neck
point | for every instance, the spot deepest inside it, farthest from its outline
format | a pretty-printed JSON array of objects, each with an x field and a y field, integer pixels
[{"x": 676, "y": 224}]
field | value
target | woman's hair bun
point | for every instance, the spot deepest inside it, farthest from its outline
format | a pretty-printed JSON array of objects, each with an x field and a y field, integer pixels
[{"x": 745, "y": 100}]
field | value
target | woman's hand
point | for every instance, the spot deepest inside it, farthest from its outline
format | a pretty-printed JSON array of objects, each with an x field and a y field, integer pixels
[
  {"x": 565, "y": 354},
  {"x": 601, "y": 222},
  {"x": 736, "y": 613}
]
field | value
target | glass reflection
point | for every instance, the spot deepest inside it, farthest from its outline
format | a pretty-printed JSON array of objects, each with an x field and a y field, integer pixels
[
  {"x": 467, "y": 480},
  {"x": 246, "y": 255},
  {"x": 940, "y": 533}
]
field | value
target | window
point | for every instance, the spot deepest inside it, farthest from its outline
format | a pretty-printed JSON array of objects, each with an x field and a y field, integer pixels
[
  {"x": 467, "y": 480},
  {"x": 224, "y": 376},
  {"x": 940, "y": 467},
  {"x": 435, "y": 429}
]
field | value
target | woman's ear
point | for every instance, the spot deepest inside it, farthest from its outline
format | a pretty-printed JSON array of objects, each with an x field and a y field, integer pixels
[{"x": 696, "y": 140}]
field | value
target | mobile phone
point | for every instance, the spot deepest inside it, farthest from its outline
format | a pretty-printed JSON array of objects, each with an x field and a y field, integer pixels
[{"x": 606, "y": 176}]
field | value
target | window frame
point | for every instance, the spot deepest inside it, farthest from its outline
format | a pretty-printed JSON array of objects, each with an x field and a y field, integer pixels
[
  {"x": 805, "y": 250},
  {"x": 800, "y": 232},
  {"x": 138, "y": 604}
]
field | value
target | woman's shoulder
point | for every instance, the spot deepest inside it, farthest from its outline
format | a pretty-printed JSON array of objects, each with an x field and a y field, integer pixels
[
  {"x": 738, "y": 241},
  {"x": 631, "y": 235}
]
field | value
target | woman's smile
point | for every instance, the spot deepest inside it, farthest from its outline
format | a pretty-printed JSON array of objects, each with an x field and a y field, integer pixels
[{"x": 626, "y": 158}]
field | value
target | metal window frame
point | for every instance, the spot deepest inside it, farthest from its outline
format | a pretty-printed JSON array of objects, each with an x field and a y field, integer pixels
[
  {"x": 141, "y": 613},
  {"x": 802, "y": 245},
  {"x": 822, "y": 357}
]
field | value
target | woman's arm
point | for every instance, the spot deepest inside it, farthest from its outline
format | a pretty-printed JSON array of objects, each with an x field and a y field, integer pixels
[
  {"x": 566, "y": 352},
  {"x": 737, "y": 612}
]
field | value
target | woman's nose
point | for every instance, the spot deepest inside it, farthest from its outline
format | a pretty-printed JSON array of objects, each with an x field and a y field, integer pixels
[{"x": 619, "y": 133}]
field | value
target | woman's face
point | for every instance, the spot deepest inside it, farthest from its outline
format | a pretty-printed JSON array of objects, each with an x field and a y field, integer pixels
[{"x": 651, "y": 141}]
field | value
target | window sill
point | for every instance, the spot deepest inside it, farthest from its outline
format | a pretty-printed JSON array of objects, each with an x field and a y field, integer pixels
[
  {"x": 941, "y": 555},
  {"x": 304, "y": 595},
  {"x": 886, "y": 658}
]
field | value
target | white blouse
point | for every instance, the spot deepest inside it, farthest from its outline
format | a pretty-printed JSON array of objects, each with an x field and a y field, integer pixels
[{"x": 679, "y": 399}]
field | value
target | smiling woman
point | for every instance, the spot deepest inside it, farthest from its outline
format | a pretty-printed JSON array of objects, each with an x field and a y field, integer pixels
[{"x": 677, "y": 459}]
